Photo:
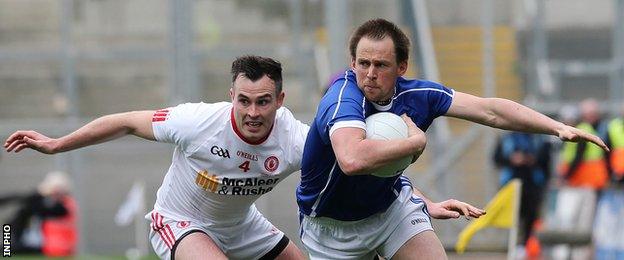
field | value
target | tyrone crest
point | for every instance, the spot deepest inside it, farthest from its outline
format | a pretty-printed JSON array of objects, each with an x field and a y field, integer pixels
[
  {"x": 183, "y": 224},
  {"x": 271, "y": 163}
]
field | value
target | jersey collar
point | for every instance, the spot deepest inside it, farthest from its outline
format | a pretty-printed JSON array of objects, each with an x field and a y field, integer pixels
[
  {"x": 383, "y": 108},
  {"x": 387, "y": 106},
  {"x": 240, "y": 135}
]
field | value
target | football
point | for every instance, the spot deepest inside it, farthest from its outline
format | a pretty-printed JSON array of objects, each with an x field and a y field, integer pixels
[{"x": 388, "y": 126}]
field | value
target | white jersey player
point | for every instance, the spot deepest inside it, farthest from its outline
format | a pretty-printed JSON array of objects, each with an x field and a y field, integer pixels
[
  {"x": 227, "y": 155},
  {"x": 217, "y": 174}
]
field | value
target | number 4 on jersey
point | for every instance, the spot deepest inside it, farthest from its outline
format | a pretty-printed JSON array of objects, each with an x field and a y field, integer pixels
[{"x": 244, "y": 166}]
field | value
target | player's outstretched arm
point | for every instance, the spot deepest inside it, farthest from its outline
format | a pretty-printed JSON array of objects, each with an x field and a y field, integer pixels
[
  {"x": 509, "y": 115},
  {"x": 451, "y": 208},
  {"x": 100, "y": 130}
]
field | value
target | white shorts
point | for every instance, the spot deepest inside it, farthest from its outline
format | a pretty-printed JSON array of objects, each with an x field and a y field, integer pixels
[
  {"x": 251, "y": 238},
  {"x": 381, "y": 234}
]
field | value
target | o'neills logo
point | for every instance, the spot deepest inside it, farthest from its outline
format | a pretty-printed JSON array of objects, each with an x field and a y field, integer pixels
[
  {"x": 271, "y": 163},
  {"x": 248, "y": 156},
  {"x": 206, "y": 181}
]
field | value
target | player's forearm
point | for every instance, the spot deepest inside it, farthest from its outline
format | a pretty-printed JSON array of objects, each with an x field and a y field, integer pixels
[
  {"x": 100, "y": 130},
  {"x": 368, "y": 155},
  {"x": 509, "y": 115}
]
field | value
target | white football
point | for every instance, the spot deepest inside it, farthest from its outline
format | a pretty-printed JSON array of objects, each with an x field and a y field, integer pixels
[{"x": 388, "y": 126}]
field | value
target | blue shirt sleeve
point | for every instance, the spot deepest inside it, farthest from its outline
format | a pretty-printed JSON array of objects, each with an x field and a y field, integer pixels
[
  {"x": 440, "y": 99},
  {"x": 343, "y": 102}
]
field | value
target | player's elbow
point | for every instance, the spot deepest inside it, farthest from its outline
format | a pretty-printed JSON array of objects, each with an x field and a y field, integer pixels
[
  {"x": 495, "y": 109},
  {"x": 420, "y": 142},
  {"x": 352, "y": 166},
  {"x": 491, "y": 119}
]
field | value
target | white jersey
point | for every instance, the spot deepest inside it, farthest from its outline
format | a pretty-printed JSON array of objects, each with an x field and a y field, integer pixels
[{"x": 215, "y": 174}]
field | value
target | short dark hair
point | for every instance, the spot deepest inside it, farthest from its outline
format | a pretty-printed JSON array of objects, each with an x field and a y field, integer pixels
[
  {"x": 255, "y": 67},
  {"x": 378, "y": 29}
]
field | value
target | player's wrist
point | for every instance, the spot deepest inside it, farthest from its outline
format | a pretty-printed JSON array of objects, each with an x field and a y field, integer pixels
[
  {"x": 558, "y": 129},
  {"x": 56, "y": 146}
]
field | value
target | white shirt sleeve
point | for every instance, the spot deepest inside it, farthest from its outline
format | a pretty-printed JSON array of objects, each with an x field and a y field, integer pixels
[
  {"x": 348, "y": 123},
  {"x": 180, "y": 125},
  {"x": 298, "y": 132}
]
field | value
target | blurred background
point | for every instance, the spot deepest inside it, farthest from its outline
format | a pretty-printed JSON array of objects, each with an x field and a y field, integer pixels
[{"x": 65, "y": 62}]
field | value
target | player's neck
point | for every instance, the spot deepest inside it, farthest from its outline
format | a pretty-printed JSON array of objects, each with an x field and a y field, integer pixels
[
  {"x": 383, "y": 103},
  {"x": 388, "y": 101}
]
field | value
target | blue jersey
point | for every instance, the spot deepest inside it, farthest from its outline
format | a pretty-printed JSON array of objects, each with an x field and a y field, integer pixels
[{"x": 324, "y": 190}]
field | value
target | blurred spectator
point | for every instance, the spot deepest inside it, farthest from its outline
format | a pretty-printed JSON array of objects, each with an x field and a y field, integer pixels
[
  {"x": 608, "y": 229},
  {"x": 45, "y": 221},
  {"x": 615, "y": 140},
  {"x": 584, "y": 164},
  {"x": 526, "y": 157},
  {"x": 569, "y": 115}
]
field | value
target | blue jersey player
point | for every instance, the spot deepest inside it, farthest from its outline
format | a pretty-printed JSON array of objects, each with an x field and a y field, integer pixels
[{"x": 348, "y": 213}]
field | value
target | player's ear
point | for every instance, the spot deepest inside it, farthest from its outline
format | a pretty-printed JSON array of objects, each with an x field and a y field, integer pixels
[
  {"x": 402, "y": 68},
  {"x": 280, "y": 99},
  {"x": 352, "y": 63},
  {"x": 232, "y": 94}
]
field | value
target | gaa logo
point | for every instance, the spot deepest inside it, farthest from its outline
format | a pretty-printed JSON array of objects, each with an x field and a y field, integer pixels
[
  {"x": 271, "y": 163},
  {"x": 221, "y": 152}
]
